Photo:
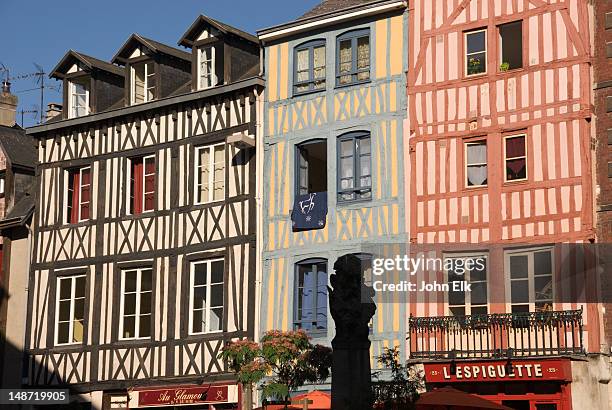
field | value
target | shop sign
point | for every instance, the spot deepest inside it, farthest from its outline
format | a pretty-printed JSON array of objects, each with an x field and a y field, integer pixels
[
  {"x": 499, "y": 370},
  {"x": 183, "y": 395}
]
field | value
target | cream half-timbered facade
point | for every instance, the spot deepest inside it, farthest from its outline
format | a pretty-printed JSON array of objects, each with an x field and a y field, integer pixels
[
  {"x": 334, "y": 96},
  {"x": 157, "y": 271}
]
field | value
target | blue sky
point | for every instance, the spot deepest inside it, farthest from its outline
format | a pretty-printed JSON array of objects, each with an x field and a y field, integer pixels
[{"x": 42, "y": 31}]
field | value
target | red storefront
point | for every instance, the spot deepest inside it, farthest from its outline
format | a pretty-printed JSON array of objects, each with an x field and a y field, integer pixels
[{"x": 540, "y": 384}]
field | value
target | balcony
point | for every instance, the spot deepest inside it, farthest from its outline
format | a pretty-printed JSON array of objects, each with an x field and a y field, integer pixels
[{"x": 530, "y": 334}]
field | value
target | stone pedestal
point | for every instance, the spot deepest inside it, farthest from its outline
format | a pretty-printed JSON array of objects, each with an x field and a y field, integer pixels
[{"x": 351, "y": 377}]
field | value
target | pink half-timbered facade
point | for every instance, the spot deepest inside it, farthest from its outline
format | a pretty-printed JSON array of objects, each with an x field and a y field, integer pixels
[{"x": 499, "y": 159}]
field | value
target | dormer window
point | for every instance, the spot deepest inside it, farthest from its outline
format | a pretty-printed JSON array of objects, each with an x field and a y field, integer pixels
[
  {"x": 206, "y": 68},
  {"x": 78, "y": 101},
  {"x": 143, "y": 82}
]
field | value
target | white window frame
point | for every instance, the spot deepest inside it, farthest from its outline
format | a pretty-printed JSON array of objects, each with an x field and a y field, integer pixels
[
  {"x": 466, "y": 164},
  {"x": 81, "y": 192},
  {"x": 524, "y": 135},
  {"x": 137, "y": 313},
  {"x": 2, "y": 179},
  {"x": 211, "y": 171},
  {"x": 145, "y": 85},
  {"x": 72, "y": 299},
  {"x": 467, "y": 305},
  {"x": 144, "y": 178},
  {"x": 207, "y": 308},
  {"x": 529, "y": 252},
  {"x": 212, "y": 75},
  {"x": 71, "y": 106},
  {"x": 467, "y": 55}
]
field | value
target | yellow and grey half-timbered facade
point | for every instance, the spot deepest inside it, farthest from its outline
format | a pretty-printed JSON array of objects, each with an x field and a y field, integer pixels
[
  {"x": 333, "y": 120},
  {"x": 144, "y": 253}
]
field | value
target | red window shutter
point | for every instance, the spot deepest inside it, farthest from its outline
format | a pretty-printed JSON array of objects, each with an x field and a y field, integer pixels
[
  {"x": 85, "y": 199},
  {"x": 137, "y": 185},
  {"x": 74, "y": 212},
  {"x": 149, "y": 184}
]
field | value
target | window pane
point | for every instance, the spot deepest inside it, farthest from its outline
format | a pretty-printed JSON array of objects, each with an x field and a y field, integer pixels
[
  {"x": 319, "y": 64},
  {"x": 477, "y": 63},
  {"x": 518, "y": 266},
  {"x": 346, "y": 167},
  {"x": 364, "y": 146},
  {"x": 65, "y": 288},
  {"x": 130, "y": 281},
  {"x": 520, "y": 291},
  {"x": 543, "y": 288},
  {"x": 145, "y": 303},
  {"x": 479, "y": 272},
  {"x": 363, "y": 58},
  {"x": 129, "y": 304},
  {"x": 346, "y": 148},
  {"x": 476, "y": 42},
  {"x": 146, "y": 279},
  {"x": 216, "y": 319},
  {"x": 346, "y": 64},
  {"x": 477, "y": 153},
  {"x": 80, "y": 287},
  {"x": 199, "y": 297},
  {"x": 79, "y": 309},
  {"x": 476, "y": 175},
  {"x": 77, "y": 331},
  {"x": 479, "y": 293},
  {"x": 63, "y": 332},
  {"x": 516, "y": 169},
  {"x": 217, "y": 272},
  {"x": 216, "y": 295},
  {"x": 64, "y": 310},
  {"x": 199, "y": 272},
  {"x": 129, "y": 326},
  {"x": 197, "y": 321},
  {"x": 515, "y": 147},
  {"x": 145, "y": 326},
  {"x": 542, "y": 263},
  {"x": 457, "y": 311},
  {"x": 302, "y": 60}
]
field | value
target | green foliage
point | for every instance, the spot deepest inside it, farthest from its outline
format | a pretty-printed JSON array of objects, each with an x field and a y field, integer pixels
[
  {"x": 504, "y": 66},
  {"x": 402, "y": 390},
  {"x": 474, "y": 66},
  {"x": 243, "y": 357}
]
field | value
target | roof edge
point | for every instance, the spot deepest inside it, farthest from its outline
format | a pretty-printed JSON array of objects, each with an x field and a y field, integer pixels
[
  {"x": 349, "y": 13},
  {"x": 139, "y": 108}
]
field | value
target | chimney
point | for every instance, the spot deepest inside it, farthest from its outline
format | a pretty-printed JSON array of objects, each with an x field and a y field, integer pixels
[
  {"x": 8, "y": 105},
  {"x": 53, "y": 110}
]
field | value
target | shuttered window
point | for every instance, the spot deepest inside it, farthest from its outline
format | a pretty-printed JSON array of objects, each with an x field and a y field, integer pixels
[
  {"x": 142, "y": 184},
  {"x": 311, "y": 295},
  {"x": 78, "y": 203}
]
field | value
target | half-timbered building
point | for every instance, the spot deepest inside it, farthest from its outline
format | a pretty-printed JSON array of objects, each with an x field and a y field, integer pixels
[
  {"x": 144, "y": 253},
  {"x": 499, "y": 155},
  {"x": 333, "y": 118}
]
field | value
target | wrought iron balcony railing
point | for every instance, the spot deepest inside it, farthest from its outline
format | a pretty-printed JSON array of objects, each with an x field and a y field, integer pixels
[{"x": 531, "y": 334}]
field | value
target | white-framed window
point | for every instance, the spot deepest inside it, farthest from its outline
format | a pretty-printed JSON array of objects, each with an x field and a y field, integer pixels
[
  {"x": 207, "y": 77},
  {"x": 206, "y": 296},
  {"x": 476, "y": 163},
  {"x": 530, "y": 275},
  {"x": 472, "y": 269},
  {"x": 143, "y": 82},
  {"x": 70, "y": 310},
  {"x": 136, "y": 303},
  {"x": 78, "y": 97},
  {"x": 2, "y": 179},
  {"x": 475, "y": 52},
  {"x": 210, "y": 173},
  {"x": 515, "y": 157}
]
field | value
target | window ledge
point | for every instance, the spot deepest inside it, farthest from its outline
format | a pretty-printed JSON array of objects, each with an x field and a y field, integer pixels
[
  {"x": 517, "y": 182},
  {"x": 309, "y": 92},
  {"x": 352, "y": 201},
  {"x": 339, "y": 86},
  {"x": 476, "y": 188}
]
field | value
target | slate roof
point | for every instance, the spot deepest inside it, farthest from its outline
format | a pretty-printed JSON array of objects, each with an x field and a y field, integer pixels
[
  {"x": 18, "y": 146},
  {"x": 89, "y": 61},
  {"x": 19, "y": 213},
  {"x": 188, "y": 37},
  {"x": 155, "y": 46},
  {"x": 330, "y": 6}
]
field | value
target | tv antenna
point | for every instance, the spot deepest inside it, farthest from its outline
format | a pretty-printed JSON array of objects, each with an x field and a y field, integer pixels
[{"x": 32, "y": 110}]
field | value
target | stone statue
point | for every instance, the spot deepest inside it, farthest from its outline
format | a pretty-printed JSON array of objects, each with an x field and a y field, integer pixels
[{"x": 352, "y": 311}]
